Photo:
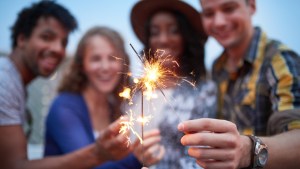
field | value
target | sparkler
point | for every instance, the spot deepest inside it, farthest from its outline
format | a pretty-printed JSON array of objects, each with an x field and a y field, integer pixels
[{"x": 155, "y": 77}]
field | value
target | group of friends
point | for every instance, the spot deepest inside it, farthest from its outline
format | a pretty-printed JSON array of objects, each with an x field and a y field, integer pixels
[{"x": 244, "y": 114}]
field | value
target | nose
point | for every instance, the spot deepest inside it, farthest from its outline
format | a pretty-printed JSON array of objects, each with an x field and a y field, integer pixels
[
  {"x": 163, "y": 38},
  {"x": 104, "y": 65},
  {"x": 219, "y": 19}
]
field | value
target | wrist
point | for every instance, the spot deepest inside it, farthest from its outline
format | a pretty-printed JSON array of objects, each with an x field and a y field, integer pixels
[
  {"x": 100, "y": 154},
  {"x": 245, "y": 160}
]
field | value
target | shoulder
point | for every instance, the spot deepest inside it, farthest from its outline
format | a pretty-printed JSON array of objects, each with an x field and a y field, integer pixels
[
  {"x": 12, "y": 94},
  {"x": 66, "y": 102},
  {"x": 281, "y": 65},
  {"x": 65, "y": 107},
  {"x": 8, "y": 73},
  {"x": 68, "y": 98},
  {"x": 11, "y": 87},
  {"x": 285, "y": 59}
]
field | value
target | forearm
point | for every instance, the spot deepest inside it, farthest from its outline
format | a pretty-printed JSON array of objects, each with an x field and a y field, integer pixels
[
  {"x": 81, "y": 159},
  {"x": 284, "y": 150}
]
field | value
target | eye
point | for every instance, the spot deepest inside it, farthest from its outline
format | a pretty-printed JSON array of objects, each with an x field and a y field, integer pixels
[
  {"x": 208, "y": 14},
  {"x": 229, "y": 8},
  {"x": 174, "y": 29},
  {"x": 154, "y": 31},
  {"x": 47, "y": 37},
  {"x": 95, "y": 58}
]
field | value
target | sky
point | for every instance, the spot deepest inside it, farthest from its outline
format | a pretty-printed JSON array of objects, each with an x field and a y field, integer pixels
[{"x": 276, "y": 17}]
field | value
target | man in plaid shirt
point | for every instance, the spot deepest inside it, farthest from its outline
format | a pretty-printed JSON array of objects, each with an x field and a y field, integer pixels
[{"x": 259, "y": 94}]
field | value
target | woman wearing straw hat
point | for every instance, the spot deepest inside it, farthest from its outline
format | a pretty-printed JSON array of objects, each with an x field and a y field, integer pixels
[{"x": 174, "y": 27}]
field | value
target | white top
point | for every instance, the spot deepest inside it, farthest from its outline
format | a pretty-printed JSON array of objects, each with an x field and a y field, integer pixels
[{"x": 179, "y": 104}]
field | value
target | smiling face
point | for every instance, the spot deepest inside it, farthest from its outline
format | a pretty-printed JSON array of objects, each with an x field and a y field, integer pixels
[
  {"x": 165, "y": 35},
  {"x": 228, "y": 21},
  {"x": 101, "y": 67},
  {"x": 45, "y": 48}
]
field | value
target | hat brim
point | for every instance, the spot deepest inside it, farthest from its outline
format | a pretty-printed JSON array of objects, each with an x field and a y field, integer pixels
[{"x": 144, "y": 9}]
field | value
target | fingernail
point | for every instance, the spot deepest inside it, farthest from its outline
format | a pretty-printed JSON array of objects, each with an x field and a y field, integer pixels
[
  {"x": 182, "y": 140},
  {"x": 180, "y": 127}
]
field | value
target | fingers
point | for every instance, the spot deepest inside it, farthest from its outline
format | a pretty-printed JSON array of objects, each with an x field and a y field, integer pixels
[
  {"x": 206, "y": 154},
  {"x": 111, "y": 143},
  {"x": 110, "y": 139},
  {"x": 214, "y": 158},
  {"x": 119, "y": 141},
  {"x": 150, "y": 152},
  {"x": 217, "y": 140},
  {"x": 150, "y": 137},
  {"x": 154, "y": 154},
  {"x": 211, "y": 164},
  {"x": 151, "y": 133},
  {"x": 215, "y": 143},
  {"x": 207, "y": 124},
  {"x": 112, "y": 129},
  {"x": 150, "y": 141}
]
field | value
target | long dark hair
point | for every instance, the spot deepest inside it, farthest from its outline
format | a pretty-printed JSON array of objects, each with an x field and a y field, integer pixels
[
  {"x": 75, "y": 79},
  {"x": 193, "y": 55}
]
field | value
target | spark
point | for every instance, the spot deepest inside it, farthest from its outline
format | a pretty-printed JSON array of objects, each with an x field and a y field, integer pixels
[
  {"x": 155, "y": 76},
  {"x": 129, "y": 126},
  {"x": 125, "y": 93}
]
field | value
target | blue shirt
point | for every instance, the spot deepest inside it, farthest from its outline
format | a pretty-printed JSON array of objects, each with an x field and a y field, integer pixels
[{"x": 68, "y": 128}]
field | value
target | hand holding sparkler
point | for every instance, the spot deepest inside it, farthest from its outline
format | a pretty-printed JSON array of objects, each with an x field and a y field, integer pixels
[
  {"x": 111, "y": 144},
  {"x": 215, "y": 143},
  {"x": 150, "y": 152}
]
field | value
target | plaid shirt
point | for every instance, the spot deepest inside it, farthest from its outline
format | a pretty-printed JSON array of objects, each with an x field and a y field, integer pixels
[{"x": 263, "y": 96}]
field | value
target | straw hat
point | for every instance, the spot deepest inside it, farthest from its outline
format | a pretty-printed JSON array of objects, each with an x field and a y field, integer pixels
[{"x": 142, "y": 10}]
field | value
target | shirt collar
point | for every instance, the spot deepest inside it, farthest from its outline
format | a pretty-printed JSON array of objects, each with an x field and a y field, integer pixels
[
  {"x": 253, "y": 47},
  {"x": 251, "y": 53}
]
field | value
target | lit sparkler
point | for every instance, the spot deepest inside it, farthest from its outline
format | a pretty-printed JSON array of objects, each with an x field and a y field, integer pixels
[{"x": 155, "y": 76}]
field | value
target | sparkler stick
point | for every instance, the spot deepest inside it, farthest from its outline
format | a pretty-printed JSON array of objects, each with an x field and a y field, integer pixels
[
  {"x": 142, "y": 114},
  {"x": 142, "y": 108},
  {"x": 137, "y": 53}
]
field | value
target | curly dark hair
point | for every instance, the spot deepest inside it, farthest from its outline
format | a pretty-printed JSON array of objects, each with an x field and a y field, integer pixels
[
  {"x": 75, "y": 79},
  {"x": 28, "y": 17},
  {"x": 193, "y": 55}
]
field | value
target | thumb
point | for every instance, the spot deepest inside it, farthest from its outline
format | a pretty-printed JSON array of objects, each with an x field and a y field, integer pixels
[{"x": 112, "y": 129}]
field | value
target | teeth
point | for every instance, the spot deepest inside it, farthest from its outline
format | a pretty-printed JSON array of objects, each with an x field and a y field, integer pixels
[
  {"x": 104, "y": 78},
  {"x": 50, "y": 59}
]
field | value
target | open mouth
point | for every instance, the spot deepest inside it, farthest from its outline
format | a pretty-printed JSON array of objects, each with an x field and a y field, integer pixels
[{"x": 49, "y": 63}]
